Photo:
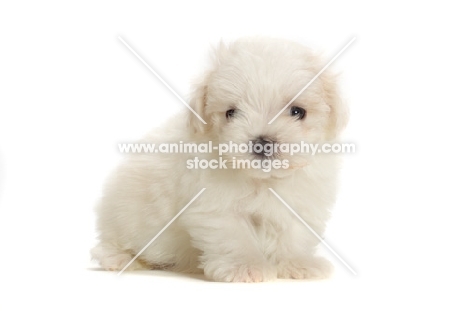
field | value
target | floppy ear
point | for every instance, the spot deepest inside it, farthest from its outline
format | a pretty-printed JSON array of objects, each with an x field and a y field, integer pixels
[
  {"x": 199, "y": 94},
  {"x": 198, "y": 104},
  {"x": 339, "y": 113}
]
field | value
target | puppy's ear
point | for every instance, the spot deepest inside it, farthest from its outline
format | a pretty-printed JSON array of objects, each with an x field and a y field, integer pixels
[
  {"x": 198, "y": 104},
  {"x": 339, "y": 113},
  {"x": 199, "y": 94}
]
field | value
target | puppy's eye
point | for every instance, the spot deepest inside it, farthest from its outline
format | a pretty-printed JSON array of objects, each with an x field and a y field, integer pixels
[
  {"x": 230, "y": 113},
  {"x": 297, "y": 112}
]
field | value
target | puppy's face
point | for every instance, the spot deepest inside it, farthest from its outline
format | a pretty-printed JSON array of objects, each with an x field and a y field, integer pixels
[{"x": 250, "y": 83}]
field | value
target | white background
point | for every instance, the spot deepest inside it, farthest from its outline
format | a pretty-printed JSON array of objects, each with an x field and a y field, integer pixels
[{"x": 70, "y": 91}]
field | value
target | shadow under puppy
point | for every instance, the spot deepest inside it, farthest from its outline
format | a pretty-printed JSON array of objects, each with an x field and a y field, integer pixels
[{"x": 237, "y": 230}]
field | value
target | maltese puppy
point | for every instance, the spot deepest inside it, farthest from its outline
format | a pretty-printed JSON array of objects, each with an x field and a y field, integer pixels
[{"x": 237, "y": 230}]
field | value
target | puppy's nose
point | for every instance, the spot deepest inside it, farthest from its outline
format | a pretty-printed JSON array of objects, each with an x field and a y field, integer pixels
[{"x": 262, "y": 146}]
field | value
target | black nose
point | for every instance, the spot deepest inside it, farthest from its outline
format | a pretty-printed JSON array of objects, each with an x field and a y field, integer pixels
[{"x": 262, "y": 147}]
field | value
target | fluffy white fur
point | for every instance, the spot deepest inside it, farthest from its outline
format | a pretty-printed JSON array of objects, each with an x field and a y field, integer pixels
[{"x": 237, "y": 230}]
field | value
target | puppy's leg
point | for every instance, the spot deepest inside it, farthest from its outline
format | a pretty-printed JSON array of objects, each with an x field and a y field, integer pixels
[
  {"x": 296, "y": 257},
  {"x": 113, "y": 259},
  {"x": 230, "y": 250},
  {"x": 313, "y": 267}
]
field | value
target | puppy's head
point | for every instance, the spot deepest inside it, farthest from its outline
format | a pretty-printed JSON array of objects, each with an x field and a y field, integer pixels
[{"x": 250, "y": 82}]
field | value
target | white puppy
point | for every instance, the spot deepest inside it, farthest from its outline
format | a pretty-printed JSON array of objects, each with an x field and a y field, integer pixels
[{"x": 236, "y": 230}]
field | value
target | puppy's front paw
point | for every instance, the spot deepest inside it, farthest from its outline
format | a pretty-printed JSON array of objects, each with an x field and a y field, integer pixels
[
  {"x": 317, "y": 268},
  {"x": 118, "y": 262},
  {"x": 247, "y": 273},
  {"x": 113, "y": 259}
]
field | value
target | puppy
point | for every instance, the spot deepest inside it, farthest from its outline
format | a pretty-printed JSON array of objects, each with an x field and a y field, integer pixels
[{"x": 237, "y": 230}]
